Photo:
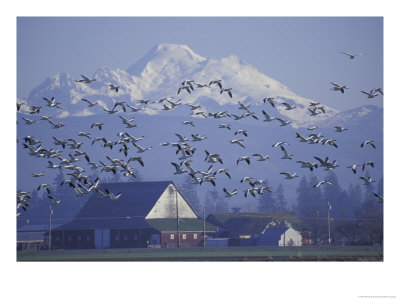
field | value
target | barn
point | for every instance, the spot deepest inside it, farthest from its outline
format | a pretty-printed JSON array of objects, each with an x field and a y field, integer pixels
[
  {"x": 148, "y": 214},
  {"x": 280, "y": 236}
]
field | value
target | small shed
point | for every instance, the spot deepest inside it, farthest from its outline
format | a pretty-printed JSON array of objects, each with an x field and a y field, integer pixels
[
  {"x": 31, "y": 237},
  {"x": 280, "y": 236}
]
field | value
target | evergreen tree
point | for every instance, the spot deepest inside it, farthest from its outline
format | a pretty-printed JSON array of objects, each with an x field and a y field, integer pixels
[
  {"x": 188, "y": 189},
  {"x": 210, "y": 201},
  {"x": 266, "y": 202},
  {"x": 281, "y": 204}
]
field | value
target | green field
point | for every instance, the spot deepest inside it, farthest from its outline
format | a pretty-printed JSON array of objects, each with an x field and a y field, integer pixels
[{"x": 370, "y": 253}]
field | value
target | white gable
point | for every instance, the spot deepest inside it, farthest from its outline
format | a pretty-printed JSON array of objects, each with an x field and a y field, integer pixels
[
  {"x": 290, "y": 238},
  {"x": 165, "y": 206}
]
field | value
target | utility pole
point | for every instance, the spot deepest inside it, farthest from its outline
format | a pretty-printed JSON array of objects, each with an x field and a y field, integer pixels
[
  {"x": 204, "y": 227},
  {"x": 177, "y": 217},
  {"x": 50, "y": 213},
  {"x": 329, "y": 223}
]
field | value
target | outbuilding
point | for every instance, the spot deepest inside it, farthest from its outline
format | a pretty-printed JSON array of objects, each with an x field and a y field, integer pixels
[{"x": 148, "y": 214}]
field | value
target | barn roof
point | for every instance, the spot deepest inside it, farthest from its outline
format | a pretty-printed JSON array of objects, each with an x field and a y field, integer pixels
[{"x": 129, "y": 211}]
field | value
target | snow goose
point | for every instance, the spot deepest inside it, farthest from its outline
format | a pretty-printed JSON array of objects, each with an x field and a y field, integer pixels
[
  {"x": 140, "y": 149},
  {"x": 187, "y": 88},
  {"x": 225, "y": 171},
  {"x": 370, "y": 94},
  {"x": 322, "y": 182},
  {"x": 178, "y": 168},
  {"x": 112, "y": 196},
  {"x": 29, "y": 121},
  {"x": 367, "y": 180},
  {"x": 44, "y": 186},
  {"x": 285, "y": 154},
  {"x": 81, "y": 133},
  {"x": 243, "y": 158},
  {"x": 228, "y": 90},
  {"x": 218, "y": 82},
  {"x": 188, "y": 123},
  {"x": 228, "y": 126},
  {"x": 98, "y": 125},
  {"x": 279, "y": 144},
  {"x": 213, "y": 158},
  {"x": 113, "y": 87},
  {"x": 368, "y": 142},
  {"x": 85, "y": 79},
  {"x": 338, "y": 87},
  {"x": 194, "y": 107},
  {"x": 339, "y": 129},
  {"x": 288, "y": 175},
  {"x": 269, "y": 100},
  {"x": 261, "y": 157},
  {"x": 283, "y": 122},
  {"x": 289, "y": 106},
  {"x": 267, "y": 117},
  {"x": 90, "y": 103},
  {"x": 229, "y": 194},
  {"x": 239, "y": 142},
  {"x": 197, "y": 138},
  {"x": 241, "y": 131},
  {"x": 380, "y": 197},
  {"x": 38, "y": 174},
  {"x": 368, "y": 163},
  {"x": 354, "y": 168}
]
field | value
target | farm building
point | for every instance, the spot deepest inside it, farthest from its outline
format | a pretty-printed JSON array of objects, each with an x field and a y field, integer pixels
[
  {"x": 31, "y": 237},
  {"x": 144, "y": 216},
  {"x": 244, "y": 229},
  {"x": 279, "y": 236}
]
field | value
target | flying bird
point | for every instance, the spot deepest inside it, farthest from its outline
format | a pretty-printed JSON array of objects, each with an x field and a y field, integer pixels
[
  {"x": 269, "y": 100},
  {"x": 322, "y": 182},
  {"x": 352, "y": 55},
  {"x": 368, "y": 142}
]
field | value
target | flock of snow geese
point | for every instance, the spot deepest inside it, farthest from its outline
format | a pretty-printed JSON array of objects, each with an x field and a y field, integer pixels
[{"x": 82, "y": 185}]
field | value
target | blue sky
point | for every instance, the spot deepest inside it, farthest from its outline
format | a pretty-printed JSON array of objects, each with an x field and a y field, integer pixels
[{"x": 301, "y": 52}]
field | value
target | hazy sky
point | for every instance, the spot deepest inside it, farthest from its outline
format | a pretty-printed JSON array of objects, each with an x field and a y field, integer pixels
[{"x": 303, "y": 53}]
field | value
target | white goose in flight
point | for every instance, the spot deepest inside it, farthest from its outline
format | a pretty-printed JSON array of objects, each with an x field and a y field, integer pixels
[
  {"x": 380, "y": 197},
  {"x": 230, "y": 194},
  {"x": 188, "y": 123},
  {"x": 367, "y": 180},
  {"x": 261, "y": 157},
  {"x": 197, "y": 138},
  {"x": 288, "y": 175},
  {"x": 140, "y": 149},
  {"x": 283, "y": 122},
  {"x": 322, "y": 182},
  {"x": 113, "y": 87},
  {"x": 354, "y": 168},
  {"x": 85, "y": 79},
  {"x": 368, "y": 142},
  {"x": 289, "y": 106},
  {"x": 178, "y": 168},
  {"x": 370, "y": 94},
  {"x": 285, "y": 154},
  {"x": 90, "y": 103},
  {"x": 112, "y": 196},
  {"x": 245, "y": 158},
  {"x": 29, "y": 121},
  {"x": 267, "y": 117},
  {"x": 340, "y": 129},
  {"x": 239, "y": 142},
  {"x": 270, "y": 101},
  {"x": 338, "y": 87}
]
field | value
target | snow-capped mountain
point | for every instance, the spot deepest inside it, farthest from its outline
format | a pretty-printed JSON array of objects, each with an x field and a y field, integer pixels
[{"x": 159, "y": 74}]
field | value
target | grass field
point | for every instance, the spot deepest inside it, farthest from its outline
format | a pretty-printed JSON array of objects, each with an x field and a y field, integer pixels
[{"x": 370, "y": 253}]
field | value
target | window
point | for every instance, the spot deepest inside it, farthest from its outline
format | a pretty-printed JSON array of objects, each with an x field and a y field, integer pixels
[
  {"x": 171, "y": 236},
  {"x": 125, "y": 237},
  {"x": 184, "y": 236},
  {"x": 88, "y": 238},
  {"x": 194, "y": 236},
  {"x": 79, "y": 238},
  {"x": 135, "y": 237},
  {"x": 116, "y": 237},
  {"x": 69, "y": 238}
]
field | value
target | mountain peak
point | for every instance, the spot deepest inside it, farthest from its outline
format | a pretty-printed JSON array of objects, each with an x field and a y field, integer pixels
[{"x": 167, "y": 56}]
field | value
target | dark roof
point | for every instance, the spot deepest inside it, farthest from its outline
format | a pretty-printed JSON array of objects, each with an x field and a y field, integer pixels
[
  {"x": 30, "y": 236},
  {"x": 129, "y": 211},
  {"x": 271, "y": 236},
  {"x": 184, "y": 225},
  {"x": 251, "y": 223}
]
